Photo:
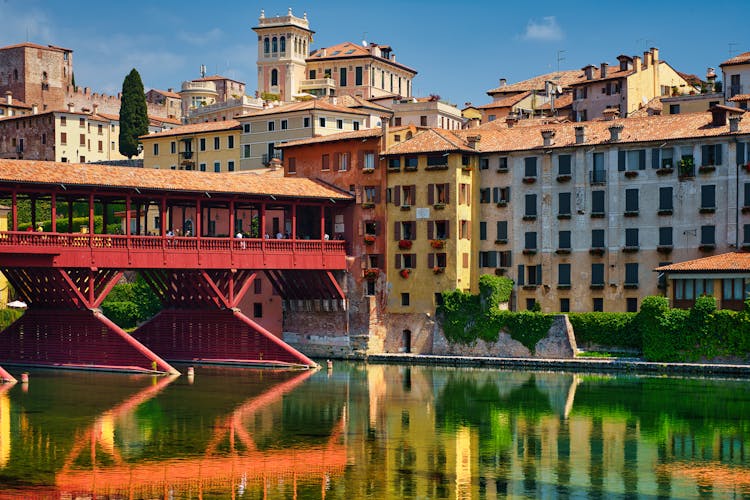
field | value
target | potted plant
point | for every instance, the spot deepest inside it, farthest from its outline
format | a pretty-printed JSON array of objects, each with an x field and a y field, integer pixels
[
  {"x": 686, "y": 167},
  {"x": 405, "y": 273},
  {"x": 438, "y": 270},
  {"x": 437, "y": 244},
  {"x": 369, "y": 239},
  {"x": 631, "y": 173},
  {"x": 371, "y": 274},
  {"x": 404, "y": 244}
]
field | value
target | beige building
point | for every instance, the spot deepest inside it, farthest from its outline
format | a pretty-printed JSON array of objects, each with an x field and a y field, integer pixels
[
  {"x": 736, "y": 71},
  {"x": 626, "y": 87},
  {"x": 426, "y": 112},
  {"x": 207, "y": 147},
  {"x": 13, "y": 107},
  {"x": 262, "y": 130}
]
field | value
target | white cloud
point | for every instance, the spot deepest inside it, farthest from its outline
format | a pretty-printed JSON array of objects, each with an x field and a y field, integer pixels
[
  {"x": 546, "y": 30},
  {"x": 24, "y": 24},
  {"x": 200, "y": 38}
]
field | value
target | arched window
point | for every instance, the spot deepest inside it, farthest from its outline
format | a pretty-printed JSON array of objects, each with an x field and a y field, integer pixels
[
  {"x": 274, "y": 77},
  {"x": 15, "y": 74},
  {"x": 266, "y": 45},
  {"x": 283, "y": 44},
  {"x": 274, "y": 44}
]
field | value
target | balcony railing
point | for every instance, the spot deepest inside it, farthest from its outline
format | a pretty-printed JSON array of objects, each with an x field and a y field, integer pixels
[{"x": 598, "y": 176}]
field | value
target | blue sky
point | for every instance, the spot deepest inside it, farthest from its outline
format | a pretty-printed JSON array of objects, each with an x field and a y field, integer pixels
[{"x": 460, "y": 49}]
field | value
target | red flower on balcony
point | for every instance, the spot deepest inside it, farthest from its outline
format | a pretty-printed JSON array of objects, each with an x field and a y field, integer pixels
[
  {"x": 404, "y": 244},
  {"x": 369, "y": 239},
  {"x": 405, "y": 273},
  {"x": 438, "y": 270},
  {"x": 371, "y": 274},
  {"x": 437, "y": 244}
]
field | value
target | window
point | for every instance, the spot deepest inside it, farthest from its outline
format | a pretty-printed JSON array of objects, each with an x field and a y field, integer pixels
[
  {"x": 173, "y": 147},
  {"x": 635, "y": 159},
  {"x": 368, "y": 161},
  {"x": 597, "y": 274},
  {"x": 217, "y": 143},
  {"x": 282, "y": 44},
  {"x": 230, "y": 165},
  {"x": 203, "y": 144},
  {"x": 746, "y": 234},
  {"x": 563, "y": 274},
  {"x": 564, "y": 305},
  {"x": 502, "y": 165},
  {"x": 504, "y": 259},
  {"x": 342, "y": 161},
  {"x": 358, "y": 75},
  {"x": 355, "y": 125},
  {"x": 733, "y": 289},
  {"x": 564, "y": 165},
  {"x": 217, "y": 166},
  {"x": 482, "y": 230},
  {"x": 501, "y": 195},
  {"x": 408, "y": 260},
  {"x": 246, "y": 128},
  {"x": 598, "y": 174},
  {"x": 82, "y": 139},
  {"x": 631, "y": 303},
  {"x": 441, "y": 229},
  {"x": 631, "y": 237},
  {"x": 258, "y": 309},
  {"x": 404, "y": 299},
  {"x": 246, "y": 150},
  {"x": 530, "y": 304},
  {"x": 563, "y": 240},
  {"x": 306, "y": 122},
  {"x": 339, "y": 124},
  {"x": 274, "y": 77},
  {"x": 342, "y": 77},
  {"x": 631, "y": 201},
  {"x": 371, "y": 194},
  {"x": 597, "y": 202},
  {"x": 563, "y": 207},
  {"x": 464, "y": 230},
  {"x": 325, "y": 162},
  {"x": 230, "y": 142},
  {"x": 674, "y": 109},
  {"x": 266, "y": 45},
  {"x": 409, "y": 195},
  {"x": 82, "y": 123},
  {"x": 530, "y": 166},
  {"x": 708, "y": 197},
  {"x": 484, "y": 195},
  {"x": 100, "y": 146},
  {"x": 665, "y": 236},
  {"x": 488, "y": 259},
  {"x": 484, "y": 164},
  {"x": 711, "y": 154},
  {"x": 322, "y": 121},
  {"x": 530, "y": 211},
  {"x": 598, "y": 304},
  {"x": 63, "y": 138},
  {"x": 631, "y": 274},
  {"x": 502, "y": 230},
  {"x": 394, "y": 163},
  {"x": 405, "y": 230},
  {"x": 423, "y": 120},
  {"x": 271, "y": 126},
  {"x": 411, "y": 162},
  {"x": 665, "y": 199},
  {"x": 202, "y": 167},
  {"x": 708, "y": 235},
  {"x": 63, "y": 121},
  {"x": 530, "y": 240},
  {"x": 534, "y": 275}
]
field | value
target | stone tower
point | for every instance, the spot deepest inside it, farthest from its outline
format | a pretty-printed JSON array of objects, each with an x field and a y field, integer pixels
[{"x": 283, "y": 45}]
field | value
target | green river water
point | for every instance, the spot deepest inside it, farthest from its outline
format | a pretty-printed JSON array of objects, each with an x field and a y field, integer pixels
[{"x": 373, "y": 431}]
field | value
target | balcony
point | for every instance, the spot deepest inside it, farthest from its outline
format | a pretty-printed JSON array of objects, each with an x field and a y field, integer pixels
[
  {"x": 318, "y": 86},
  {"x": 186, "y": 155},
  {"x": 735, "y": 90},
  {"x": 597, "y": 176}
]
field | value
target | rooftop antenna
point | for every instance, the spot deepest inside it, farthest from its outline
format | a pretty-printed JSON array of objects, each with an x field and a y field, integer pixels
[
  {"x": 560, "y": 58},
  {"x": 364, "y": 39},
  {"x": 203, "y": 70}
]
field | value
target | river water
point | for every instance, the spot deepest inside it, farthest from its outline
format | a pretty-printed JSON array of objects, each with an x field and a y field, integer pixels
[{"x": 373, "y": 431}]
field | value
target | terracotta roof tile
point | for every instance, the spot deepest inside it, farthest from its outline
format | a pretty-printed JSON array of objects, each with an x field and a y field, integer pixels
[
  {"x": 431, "y": 140},
  {"x": 196, "y": 128},
  {"x": 561, "y": 78},
  {"x": 167, "y": 93},
  {"x": 88, "y": 175},
  {"x": 346, "y": 50},
  {"x": 214, "y": 78},
  {"x": 36, "y": 46},
  {"x": 564, "y": 101},
  {"x": 726, "y": 262},
  {"x": 318, "y": 104},
  {"x": 740, "y": 98},
  {"x": 351, "y": 101},
  {"x": 506, "y": 102},
  {"x": 343, "y": 136},
  {"x": 743, "y": 58}
]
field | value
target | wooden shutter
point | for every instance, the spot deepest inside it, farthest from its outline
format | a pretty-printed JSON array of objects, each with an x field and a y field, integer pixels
[
  {"x": 539, "y": 274},
  {"x": 468, "y": 230},
  {"x": 519, "y": 275},
  {"x": 413, "y": 231},
  {"x": 492, "y": 259},
  {"x": 655, "y": 158},
  {"x": 360, "y": 160},
  {"x": 447, "y": 192},
  {"x": 495, "y": 194},
  {"x": 397, "y": 195},
  {"x": 358, "y": 195},
  {"x": 377, "y": 195},
  {"x": 740, "y": 153},
  {"x": 621, "y": 161},
  {"x": 719, "y": 149},
  {"x": 430, "y": 260},
  {"x": 642, "y": 159},
  {"x": 430, "y": 194},
  {"x": 398, "y": 261},
  {"x": 413, "y": 191},
  {"x": 447, "y": 229},
  {"x": 396, "y": 231},
  {"x": 430, "y": 229}
]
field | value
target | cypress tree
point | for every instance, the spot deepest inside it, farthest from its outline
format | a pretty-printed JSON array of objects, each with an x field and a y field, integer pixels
[{"x": 133, "y": 114}]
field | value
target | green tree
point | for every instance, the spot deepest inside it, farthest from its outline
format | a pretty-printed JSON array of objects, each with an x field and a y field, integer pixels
[{"x": 133, "y": 114}]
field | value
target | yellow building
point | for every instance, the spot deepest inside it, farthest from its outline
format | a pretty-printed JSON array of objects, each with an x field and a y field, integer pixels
[
  {"x": 432, "y": 205},
  {"x": 208, "y": 147}
]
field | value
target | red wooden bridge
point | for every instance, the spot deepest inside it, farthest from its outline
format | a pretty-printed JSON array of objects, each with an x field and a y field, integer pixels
[{"x": 200, "y": 270}]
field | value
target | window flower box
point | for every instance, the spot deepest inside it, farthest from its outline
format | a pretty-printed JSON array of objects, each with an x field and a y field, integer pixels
[
  {"x": 368, "y": 204},
  {"x": 563, "y": 178},
  {"x": 404, "y": 273},
  {"x": 665, "y": 211},
  {"x": 410, "y": 168},
  {"x": 597, "y": 251},
  {"x": 501, "y": 241},
  {"x": 529, "y": 180},
  {"x": 563, "y": 216},
  {"x": 438, "y": 270},
  {"x": 439, "y": 206},
  {"x": 529, "y": 217},
  {"x": 630, "y": 286},
  {"x": 631, "y": 213},
  {"x": 405, "y": 207},
  {"x": 368, "y": 170},
  {"x": 664, "y": 171},
  {"x": 630, "y": 174},
  {"x": 563, "y": 286},
  {"x": 706, "y": 169},
  {"x": 369, "y": 239},
  {"x": 706, "y": 247},
  {"x": 597, "y": 215},
  {"x": 500, "y": 271},
  {"x": 502, "y": 170},
  {"x": 467, "y": 168},
  {"x": 562, "y": 251},
  {"x": 596, "y": 286},
  {"x": 530, "y": 287},
  {"x": 664, "y": 248},
  {"x": 443, "y": 166},
  {"x": 529, "y": 251},
  {"x": 437, "y": 244},
  {"x": 630, "y": 249},
  {"x": 371, "y": 274},
  {"x": 707, "y": 210},
  {"x": 502, "y": 204},
  {"x": 404, "y": 244}
]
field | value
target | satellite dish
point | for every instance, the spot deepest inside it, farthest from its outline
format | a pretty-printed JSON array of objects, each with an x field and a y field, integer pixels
[
  {"x": 559, "y": 89},
  {"x": 644, "y": 100}
]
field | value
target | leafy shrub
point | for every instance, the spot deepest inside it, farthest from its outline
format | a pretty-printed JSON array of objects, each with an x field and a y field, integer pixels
[
  {"x": 124, "y": 314},
  {"x": 8, "y": 316},
  {"x": 607, "y": 329},
  {"x": 130, "y": 303}
]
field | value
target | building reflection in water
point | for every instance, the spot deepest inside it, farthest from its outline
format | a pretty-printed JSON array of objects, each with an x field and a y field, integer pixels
[{"x": 374, "y": 431}]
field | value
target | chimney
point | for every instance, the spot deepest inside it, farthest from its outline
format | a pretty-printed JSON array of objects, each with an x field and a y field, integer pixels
[
  {"x": 274, "y": 164},
  {"x": 580, "y": 134},
  {"x": 549, "y": 137},
  {"x": 646, "y": 59},
  {"x": 393, "y": 57},
  {"x": 511, "y": 120},
  {"x": 610, "y": 114},
  {"x": 8, "y": 97},
  {"x": 474, "y": 123},
  {"x": 383, "y": 133},
  {"x": 34, "y": 109},
  {"x": 96, "y": 109},
  {"x": 71, "y": 107},
  {"x": 654, "y": 55},
  {"x": 170, "y": 89},
  {"x": 615, "y": 131},
  {"x": 734, "y": 123},
  {"x": 603, "y": 70},
  {"x": 589, "y": 71},
  {"x": 711, "y": 75},
  {"x": 503, "y": 82},
  {"x": 473, "y": 140},
  {"x": 637, "y": 64}
]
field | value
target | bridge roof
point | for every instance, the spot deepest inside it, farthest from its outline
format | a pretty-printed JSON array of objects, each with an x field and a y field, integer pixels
[{"x": 88, "y": 175}]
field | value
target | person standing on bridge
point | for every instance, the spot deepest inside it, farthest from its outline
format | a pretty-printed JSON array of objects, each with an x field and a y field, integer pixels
[{"x": 243, "y": 245}]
